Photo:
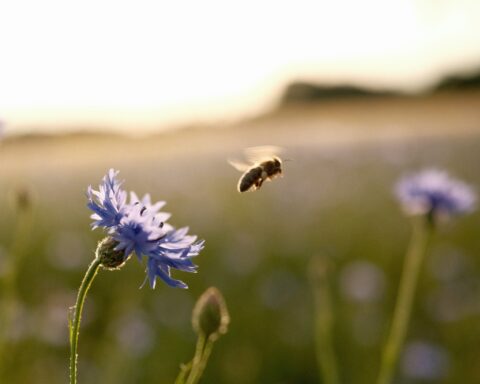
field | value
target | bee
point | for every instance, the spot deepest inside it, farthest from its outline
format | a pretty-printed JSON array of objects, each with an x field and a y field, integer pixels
[{"x": 264, "y": 165}]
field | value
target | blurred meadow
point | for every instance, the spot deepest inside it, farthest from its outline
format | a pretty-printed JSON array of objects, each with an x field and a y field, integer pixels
[
  {"x": 334, "y": 203},
  {"x": 357, "y": 93}
]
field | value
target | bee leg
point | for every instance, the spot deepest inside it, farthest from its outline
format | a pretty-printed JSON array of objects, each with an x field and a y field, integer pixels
[{"x": 259, "y": 183}]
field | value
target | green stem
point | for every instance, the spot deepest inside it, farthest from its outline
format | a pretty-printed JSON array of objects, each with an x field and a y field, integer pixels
[
  {"x": 324, "y": 321},
  {"x": 203, "y": 362},
  {"x": 75, "y": 324},
  {"x": 184, "y": 371},
  {"x": 196, "y": 362},
  {"x": 421, "y": 235}
]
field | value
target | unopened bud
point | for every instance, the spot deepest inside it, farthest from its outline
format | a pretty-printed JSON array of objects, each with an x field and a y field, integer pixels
[
  {"x": 210, "y": 315},
  {"x": 110, "y": 258}
]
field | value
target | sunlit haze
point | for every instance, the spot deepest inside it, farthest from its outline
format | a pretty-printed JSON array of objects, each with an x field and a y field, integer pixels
[{"x": 143, "y": 65}]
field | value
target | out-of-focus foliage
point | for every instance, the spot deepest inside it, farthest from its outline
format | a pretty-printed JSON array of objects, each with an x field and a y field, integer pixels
[{"x": 335, "y": 201}]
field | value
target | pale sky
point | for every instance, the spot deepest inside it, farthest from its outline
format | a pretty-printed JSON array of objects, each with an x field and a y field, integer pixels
[{"x": 149, "y": 64}]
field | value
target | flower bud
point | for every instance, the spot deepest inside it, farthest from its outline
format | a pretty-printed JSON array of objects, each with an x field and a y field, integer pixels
[
  {"x": 110, "y": 258},
  {"x": 210, "y": 315}
]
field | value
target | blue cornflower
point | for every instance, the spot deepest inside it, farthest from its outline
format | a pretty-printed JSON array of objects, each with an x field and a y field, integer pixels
[
  {"x": 174, "y": 250},
  {"x": 108, "y": 203},
  {"x": 434, "y": 193},
  {"x": 139, "y": 227}
]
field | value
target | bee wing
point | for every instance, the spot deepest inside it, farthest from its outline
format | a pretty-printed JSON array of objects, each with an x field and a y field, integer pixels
[
  {"x": 262, "y": 153},
  {"x": 239, "y": 165}
]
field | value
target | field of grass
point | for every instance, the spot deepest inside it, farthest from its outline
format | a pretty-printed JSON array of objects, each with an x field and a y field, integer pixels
[{"x": 334, "y": 203}]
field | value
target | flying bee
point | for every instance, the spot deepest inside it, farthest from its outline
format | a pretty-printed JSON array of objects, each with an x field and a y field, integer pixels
[{"x": 264, "y": 165}]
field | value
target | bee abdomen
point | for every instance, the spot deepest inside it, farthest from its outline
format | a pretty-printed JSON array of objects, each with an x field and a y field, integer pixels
[{"x": 249, "y": 179}]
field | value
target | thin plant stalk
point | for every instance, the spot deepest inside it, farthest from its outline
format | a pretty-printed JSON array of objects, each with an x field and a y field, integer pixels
[
  {"x": 206, "y": 355},
  {"x": 198, "y": 368},
  {"x": 324, "y": 320},
  {"x": 422, "y": 232},
  {"x": 184, "y": 371},
  {"x": 194, "y": 375},
  {"x": 210, "y": 320},
  {"x": 74, "y": 324}
]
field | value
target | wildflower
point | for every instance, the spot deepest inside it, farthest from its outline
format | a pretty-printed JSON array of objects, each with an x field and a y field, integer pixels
[
  {"x": 138, "y": 226},
  {"x": 108, "y": 203},
  {"x": 434, "y": 193}
]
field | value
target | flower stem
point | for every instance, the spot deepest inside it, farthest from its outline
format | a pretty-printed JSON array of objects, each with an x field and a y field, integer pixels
[
  {"x": 184, "y": 371},
  {"x": 422, "y": 232},
  {"x": 74, "y": 324},
  {"x": 192, "y": 378},
  {"x": 320, "y": 271},
  {"x": 203, "y": 361}
]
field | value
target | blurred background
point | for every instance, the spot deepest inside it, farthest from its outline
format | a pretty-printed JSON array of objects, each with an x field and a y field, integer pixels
[{"x": 357, "y": 93}]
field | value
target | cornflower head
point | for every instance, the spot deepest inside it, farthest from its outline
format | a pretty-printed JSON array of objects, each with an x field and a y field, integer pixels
[
  {"x": 138, "y": 226},
  {"x": 434, "y": 193}
]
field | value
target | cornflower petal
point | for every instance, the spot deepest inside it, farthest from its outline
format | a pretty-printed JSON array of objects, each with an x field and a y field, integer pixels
[
  {"x": 156, "y": 269},
  {"x": 435, "y": 193},
  {"x": 108, "y": 203},
  {"x": 140, "y": 227},
  {"x": 146, "y": 202}
]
